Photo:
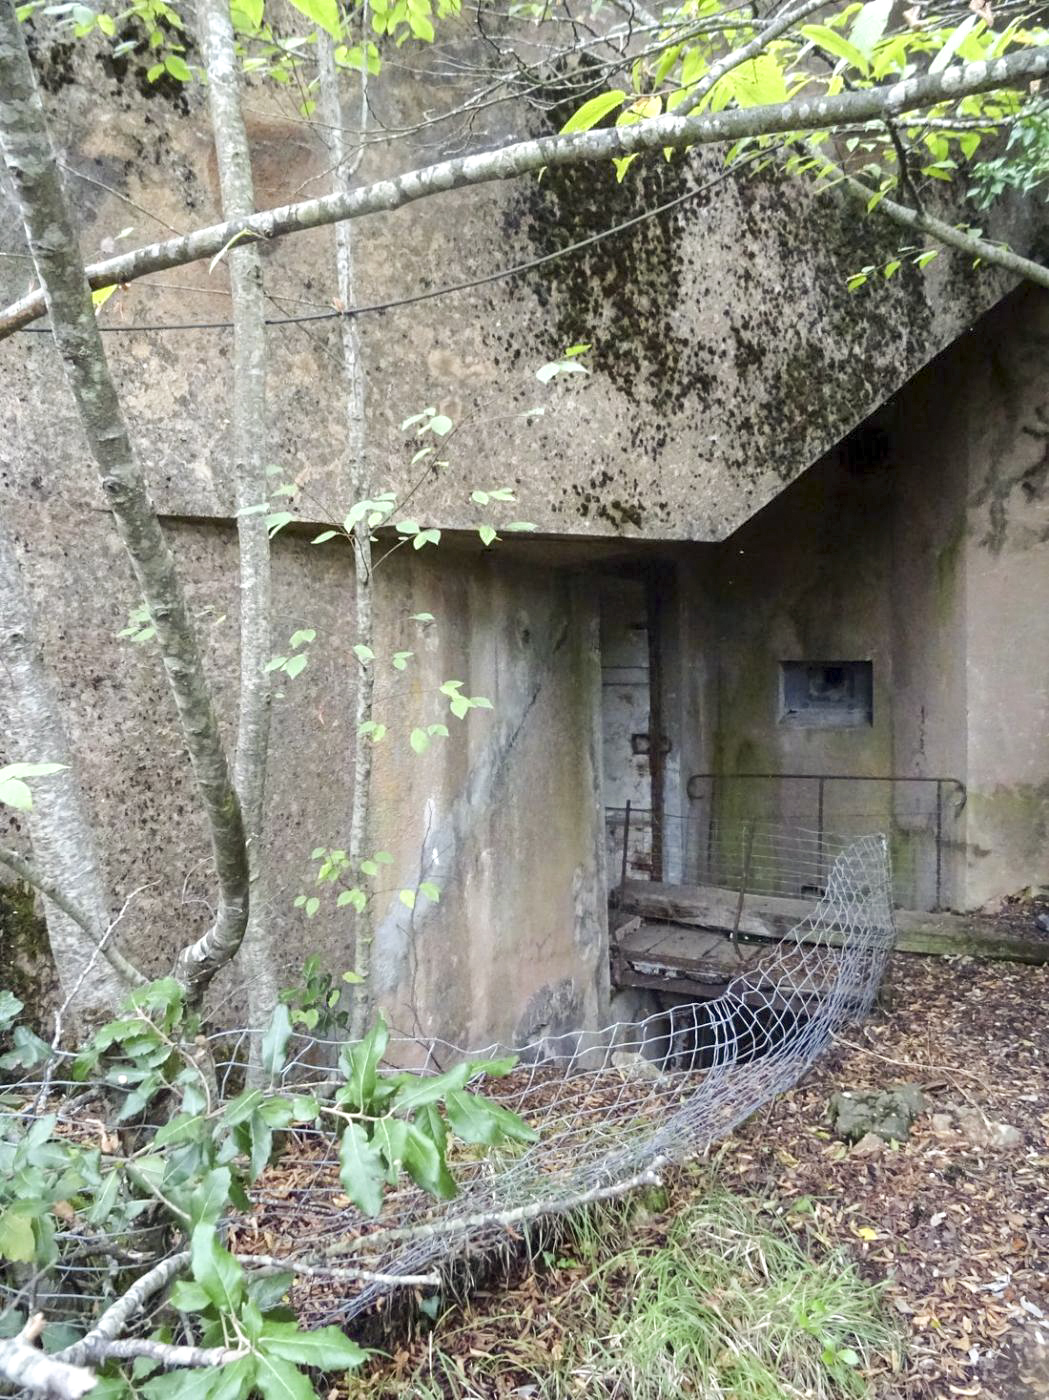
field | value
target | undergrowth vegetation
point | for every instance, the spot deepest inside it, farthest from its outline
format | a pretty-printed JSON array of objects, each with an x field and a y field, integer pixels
[{"x": 697, "y": 1293}]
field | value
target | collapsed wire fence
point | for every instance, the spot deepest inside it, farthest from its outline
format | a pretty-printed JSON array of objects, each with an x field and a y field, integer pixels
[{"x": 610, "y": 1108}]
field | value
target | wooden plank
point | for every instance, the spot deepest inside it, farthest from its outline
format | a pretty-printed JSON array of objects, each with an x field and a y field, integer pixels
[{"x": 765, "y": 918}]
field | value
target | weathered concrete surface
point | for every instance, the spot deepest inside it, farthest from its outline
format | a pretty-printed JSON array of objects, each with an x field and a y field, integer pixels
[
  {"x": 504, "y": 816},
  {"x": 720, "y": 374},
  {"x": 123, "y": 728},
  {"x": 931, "y": 559}
]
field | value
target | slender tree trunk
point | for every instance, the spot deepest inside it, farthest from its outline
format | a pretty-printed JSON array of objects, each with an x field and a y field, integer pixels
[
  {"x": 250, "y": 437},
  {"x": 59, "y": 826},
  {"x": 356, "y": 477},
  {"x": 53, "y": 243}
]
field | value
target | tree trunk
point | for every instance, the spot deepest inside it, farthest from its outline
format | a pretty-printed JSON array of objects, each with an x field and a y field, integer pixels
[
  {"x": 59, "y": 825},
  {"x": 250, "y": 438},
  {"x": 356, "y": 477},
  {"x": 53, "y": 244}
]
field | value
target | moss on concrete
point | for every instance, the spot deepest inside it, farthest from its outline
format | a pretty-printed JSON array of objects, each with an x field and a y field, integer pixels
[{"x": 25, "y": 955}]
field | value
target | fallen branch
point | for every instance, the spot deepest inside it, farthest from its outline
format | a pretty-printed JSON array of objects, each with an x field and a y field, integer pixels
[
  {"x": 119, "y": 1314},
  {"x": 500, "y": 1219},
  {"x": 167, "y": 1353},
  {"x": 25, "y": 1365},
  {"x": 270, "y": 1264}
]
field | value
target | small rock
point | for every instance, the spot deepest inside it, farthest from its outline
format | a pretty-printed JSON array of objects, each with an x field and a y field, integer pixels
[
  {"x": 629, "y": 1062},
  {"x": 869, "y": 1145},
  {"x": 888, "y": 1113},
  {"x": 1042, "y": 920},
  {"x": 983, "y": 1132}
]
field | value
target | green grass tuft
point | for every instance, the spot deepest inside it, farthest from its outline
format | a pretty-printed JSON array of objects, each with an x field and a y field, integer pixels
[{"x": 716, "y": 1300}]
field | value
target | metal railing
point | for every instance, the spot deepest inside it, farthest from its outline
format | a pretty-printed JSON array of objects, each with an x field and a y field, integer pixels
[{"x": 735, "y": 825}]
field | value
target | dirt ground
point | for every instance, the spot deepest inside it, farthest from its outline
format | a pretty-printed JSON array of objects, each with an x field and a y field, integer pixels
[
  {"x": 956, "y": 1218},
  {"x": 953, "y": 1220}
]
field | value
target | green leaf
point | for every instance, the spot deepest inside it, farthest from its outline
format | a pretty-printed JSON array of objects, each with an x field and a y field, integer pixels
[
  {"x": 300, "y": 638},
  {"x": 179, "y": 1385},
  {"x": 479, "y": 1120},
  {"x": 363, "y": 653},
  {"x": 328, "y": 1349},
  {"x": 178, "y": 68},
  {"x": 209, "y": 1199},
  {"x": 419, "y": 1090},
  {"x": 324, "y": 537},
  {"x": 519, "y": 525},
  {"x": 957, "y": 37},
  {"x": 215, "y": 1269},
  {"x": 407, "y": 898},
  {"x": 364, "y": 1059},
  {"x": 361, "y": 1170},
  {"x": 430, "y": 890},
  {"x": 425, "y": 1164},
  {"x": 188, "y": 1296},
  {"x": 419, "y": 740},
  {"x": 869, "y": 25},
  {"x": 16, "y": 1235},
  {"x": 295, "y": 665},
  {"x": 280, "y": 1380},
  {"x": 440, "y": 424},
  {"x": 233, "y": 1382},
  {"x": 833, "y": 43},
  {"x": 15, "y": 793},
  {"x": 10, "y": 1006},
  {"x": 323, "y": 13},
  {"x": 488, "y": 534},
  {"x": 275, "y": 1042},
  {"x": 268, "y": 1290},
  {"x": 422, "y": 617},
  {"x": 593, "y": 111}
]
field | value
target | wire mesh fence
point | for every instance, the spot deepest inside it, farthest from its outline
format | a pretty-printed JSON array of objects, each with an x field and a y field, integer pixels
[{"x": 610, "y": 1107}]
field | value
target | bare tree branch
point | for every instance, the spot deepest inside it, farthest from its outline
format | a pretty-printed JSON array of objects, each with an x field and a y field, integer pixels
[
  {"x": 53, "y": 243},
  {"x": 25, "y": 1365},
  {"x": 847, "y": 109},
  {"x": 271, "y": 1264},
  {"x": 433, "y": 1229},
  {"x": 943, "y": 232},
  {"x": 28, "y": 872}
]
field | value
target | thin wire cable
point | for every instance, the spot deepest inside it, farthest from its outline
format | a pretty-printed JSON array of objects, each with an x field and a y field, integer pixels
[{"x": 517, "y": 270}]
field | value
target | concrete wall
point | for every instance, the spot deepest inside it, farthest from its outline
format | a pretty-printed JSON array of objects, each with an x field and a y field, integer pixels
[
  {"x": 727, "y": 357},
  {"x": 504, "y": 816},
  {"x": 929, "y": 558}
]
